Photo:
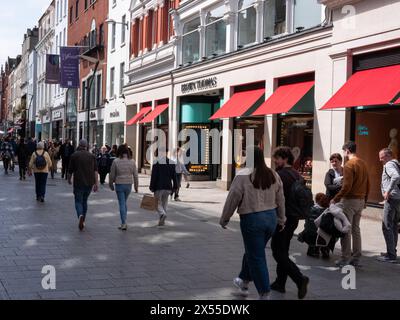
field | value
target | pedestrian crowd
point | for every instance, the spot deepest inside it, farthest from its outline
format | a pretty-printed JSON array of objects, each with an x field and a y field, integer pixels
[{"x": 270, "y": 202}]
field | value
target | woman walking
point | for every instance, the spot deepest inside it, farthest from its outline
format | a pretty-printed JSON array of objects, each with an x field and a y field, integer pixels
[
  {"x": 257, "y": 194},
  {"x": 54, "y": 151},
  {"x": 123, "y": 174},
  {"x": 40, "y": 165}
]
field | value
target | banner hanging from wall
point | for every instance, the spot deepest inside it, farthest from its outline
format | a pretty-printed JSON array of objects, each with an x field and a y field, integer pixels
[
  {"x": 52, "y": 69},
  {"x": 70, "y": 67}
]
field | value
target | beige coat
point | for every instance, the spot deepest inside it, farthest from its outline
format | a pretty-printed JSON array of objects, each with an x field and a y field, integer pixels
[
  {"x": 246, "y": 199},
  {"x": 32, "y": 162}
]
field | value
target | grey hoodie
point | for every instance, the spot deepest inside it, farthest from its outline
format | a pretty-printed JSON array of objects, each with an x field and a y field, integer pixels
[{"x": 391, "y": 179}]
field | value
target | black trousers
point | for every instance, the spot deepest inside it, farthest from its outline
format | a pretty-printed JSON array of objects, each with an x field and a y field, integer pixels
[
  {"x": 280, "y": 246},
  {"x": 103, "y": 174},
  {"x": 22, "y": 164},
  {"x": 65, "y": 165}
]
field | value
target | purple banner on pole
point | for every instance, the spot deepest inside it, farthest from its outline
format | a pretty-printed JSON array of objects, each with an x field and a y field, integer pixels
[
  {"x": 52, "y": 69},
  {"x": 70, "y": 67}
]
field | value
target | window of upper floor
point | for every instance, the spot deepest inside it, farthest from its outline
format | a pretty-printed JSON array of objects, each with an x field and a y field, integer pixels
[{"x": 254, "y": 22}]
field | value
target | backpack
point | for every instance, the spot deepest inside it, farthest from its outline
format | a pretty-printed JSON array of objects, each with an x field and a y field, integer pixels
[
  {"x": 398, "y": 169},
  {"x": 40, "y": 161},
  {"x": 302, "y": 198}
]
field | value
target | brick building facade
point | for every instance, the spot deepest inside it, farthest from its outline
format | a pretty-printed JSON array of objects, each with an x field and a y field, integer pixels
[{"x": 88, "y": 29}]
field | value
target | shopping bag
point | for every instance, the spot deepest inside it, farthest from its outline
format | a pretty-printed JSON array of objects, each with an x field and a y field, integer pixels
[{"x": 149, "y": 202}]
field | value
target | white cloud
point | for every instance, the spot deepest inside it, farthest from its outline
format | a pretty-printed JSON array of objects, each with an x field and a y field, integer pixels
[{"x": 16, "y": 17}]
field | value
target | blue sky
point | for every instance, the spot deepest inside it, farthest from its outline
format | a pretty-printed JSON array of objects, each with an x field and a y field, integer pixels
[{"x": 15, "y": 17}]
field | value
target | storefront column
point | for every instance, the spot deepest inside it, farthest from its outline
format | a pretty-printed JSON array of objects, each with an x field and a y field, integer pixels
[
  {"x": 270, "y": 126},
  {"x": 331, "y": 128},
  {"x": 227, "y": 151},
  {"x": 132, "y": 137}
]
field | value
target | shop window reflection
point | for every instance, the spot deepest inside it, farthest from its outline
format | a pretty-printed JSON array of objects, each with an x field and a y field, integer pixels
[{"x": 296, "y": 132}]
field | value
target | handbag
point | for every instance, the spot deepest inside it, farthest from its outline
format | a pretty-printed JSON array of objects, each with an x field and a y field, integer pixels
[{"x": 149, "y": 202}]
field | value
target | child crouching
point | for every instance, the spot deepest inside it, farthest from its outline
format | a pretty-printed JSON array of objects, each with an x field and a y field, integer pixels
[{"x": 309, "y": 234}]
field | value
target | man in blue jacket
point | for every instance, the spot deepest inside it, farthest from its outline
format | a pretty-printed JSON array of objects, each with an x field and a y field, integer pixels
[{"x": 163, "y": 182}]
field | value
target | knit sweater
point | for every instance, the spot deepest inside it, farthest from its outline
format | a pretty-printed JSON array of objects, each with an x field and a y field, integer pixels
[
  {"x": 124, "y": 171},
  {"x": 356, "y": 183},
  {"x": 32, "y": 166},
  {"x": 247, "y": 199}
]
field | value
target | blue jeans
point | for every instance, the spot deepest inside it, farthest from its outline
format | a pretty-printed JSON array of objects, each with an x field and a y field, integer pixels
[
  {"x": 40, "y": 184},
  {"x": 81, "y": 197},
  {"x": 257, "y": 228},
  {"x": 123, "y": 191}
]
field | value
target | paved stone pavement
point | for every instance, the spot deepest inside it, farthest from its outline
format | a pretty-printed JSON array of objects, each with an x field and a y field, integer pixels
[{"x": 190, "y": 258}]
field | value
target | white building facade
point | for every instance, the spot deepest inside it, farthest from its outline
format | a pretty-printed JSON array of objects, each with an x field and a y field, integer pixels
[
  {"x": 45, "y": 92},
  {"x": 58, "y": 110},
  {"x": 271, "y": 66},
  {"x": 117, "y": 64}
]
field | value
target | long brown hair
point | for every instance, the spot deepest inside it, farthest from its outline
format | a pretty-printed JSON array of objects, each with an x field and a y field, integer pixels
[{"x": 264, "y": 177}]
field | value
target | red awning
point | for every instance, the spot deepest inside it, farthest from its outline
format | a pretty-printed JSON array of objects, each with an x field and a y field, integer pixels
[
  {"x": 139, "y": 116},
  {"x": 284, "y": 98},
  {"x": 238, "y": 104},
  {"x": 367, "y": 88},
  {"x": 155, "y": 113}
]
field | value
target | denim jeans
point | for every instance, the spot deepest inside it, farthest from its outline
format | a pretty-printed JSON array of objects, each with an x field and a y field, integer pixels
[
  {"x": 81, "y": 197},
  {"x": 40, "y": 184},
  {"x": 123, "y": 191},
  {"x": 391, "y": 213},
  {"x": 257, "y": 228}
]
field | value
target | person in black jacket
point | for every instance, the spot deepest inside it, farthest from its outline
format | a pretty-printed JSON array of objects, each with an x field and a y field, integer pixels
[
  {"x": 22, "y": 155},
  {"x": 66, "y": 151},
  {"x": 163, "y": 183},
  {"x": 103, "y": 164},
  {"x": 334, "y": 177},
  {"x": 309, "y": 234},
  {"x": 280, "y": 244}
]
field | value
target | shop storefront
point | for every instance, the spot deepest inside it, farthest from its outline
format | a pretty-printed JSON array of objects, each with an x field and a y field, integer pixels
[
  {"x": 375, "y": 129},
  {"x": 195, "y": 113},
  {"x": 71, "y": 116},
  {"x": 293, "y": 103},
  {"x": 57, "y": 124},
  {"x": 159, "y": 115},
  {"x": 46, "y": 128},
  {"x": 96, "y": 127},
  {"x": 372, "y": 97},
  {"x": 115, "y": 117}
]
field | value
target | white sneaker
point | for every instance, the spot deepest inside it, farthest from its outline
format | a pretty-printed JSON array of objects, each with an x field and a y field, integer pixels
[
  {"x": 265, "y": 296},
  {"x": 123, "y": 227},
  {"x": 242, "y": 286}
]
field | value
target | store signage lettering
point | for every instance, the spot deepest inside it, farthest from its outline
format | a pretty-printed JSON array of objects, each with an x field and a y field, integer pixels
[
  {"x": 92, "y": 115},
  {"x": 363, "y": 130},
  {"x": 57, "y": 115},
  {"x": 200, "y": 85},
  {"x": 114, "y": 114}
]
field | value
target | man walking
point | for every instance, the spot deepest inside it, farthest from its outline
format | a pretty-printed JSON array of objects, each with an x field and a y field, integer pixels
[
  {"x": 391, "y": 210},
  {"x": 83, "y": 170},
  {"x": 354, "y": 196},
  {"x": 66, "y": 151},
  {"x": 40, "y": 165},
  {"x": 280, "y": 243},
  {"x": 163, "y": 183}
]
